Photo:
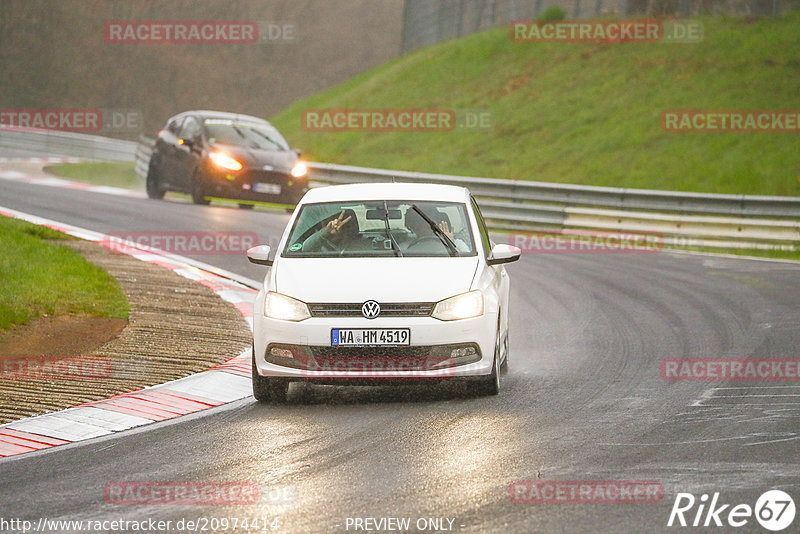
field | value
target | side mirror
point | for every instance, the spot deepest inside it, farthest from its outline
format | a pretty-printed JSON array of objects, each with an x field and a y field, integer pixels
[
  {"x": 503, "y": 254},
  {"x": 259, "y": 255},
  {"x": 191, "y": 144}
]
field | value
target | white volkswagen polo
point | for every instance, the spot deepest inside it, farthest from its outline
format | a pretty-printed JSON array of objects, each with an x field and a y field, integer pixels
[{"x": 382, "y": 283}]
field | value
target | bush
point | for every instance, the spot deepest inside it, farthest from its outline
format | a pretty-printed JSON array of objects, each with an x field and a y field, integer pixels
[{"x": 553, "y": 13}]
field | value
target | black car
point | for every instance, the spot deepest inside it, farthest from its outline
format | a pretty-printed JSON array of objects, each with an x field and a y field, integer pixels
[{"x": 212, "y": 154}]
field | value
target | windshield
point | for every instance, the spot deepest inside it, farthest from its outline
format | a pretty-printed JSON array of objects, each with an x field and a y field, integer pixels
[
  {"x": 359, "y": 229},
  {"x": 248, "y": 134}
]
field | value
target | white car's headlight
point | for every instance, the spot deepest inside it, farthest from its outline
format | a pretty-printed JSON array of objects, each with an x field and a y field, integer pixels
[
  {"x": 461, "y": 306},
  {"x": 279, "y": 306}
]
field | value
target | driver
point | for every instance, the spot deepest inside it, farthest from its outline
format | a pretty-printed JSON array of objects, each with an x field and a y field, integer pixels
[
  {"x": 336, "y": 235},
  {"x": 422, "y": 230}
]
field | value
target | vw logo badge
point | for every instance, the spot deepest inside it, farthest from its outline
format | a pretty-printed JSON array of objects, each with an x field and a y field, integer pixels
[{"x": 370, "y": 309}]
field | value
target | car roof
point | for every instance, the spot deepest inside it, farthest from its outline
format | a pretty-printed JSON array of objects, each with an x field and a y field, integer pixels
[
  {"x": 207, "y": 114},
  {"x": 387, "y": 191}
]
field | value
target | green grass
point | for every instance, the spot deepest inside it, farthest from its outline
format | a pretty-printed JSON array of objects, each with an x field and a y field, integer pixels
[
  {"x": 582, "y": 113},
  {"x": 100, "y": 173},
  {"x": 40, "y": 277}
]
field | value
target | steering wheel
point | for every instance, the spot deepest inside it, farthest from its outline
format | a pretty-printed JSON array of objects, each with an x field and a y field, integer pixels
[{"x": 423, "y": 239}]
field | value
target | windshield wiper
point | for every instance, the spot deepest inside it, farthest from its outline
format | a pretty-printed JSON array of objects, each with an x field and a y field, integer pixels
[
  {"x": 244, "y": 136},
  {"x": 389, "y": 233},
  {"x": 269, "y": 140},
  {"x": 444, "y": 238}
]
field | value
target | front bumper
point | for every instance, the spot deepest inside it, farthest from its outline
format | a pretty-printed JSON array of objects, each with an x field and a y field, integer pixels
[
  {"x": 438, "y": 350},
  {"x": 277, "y": 187}
]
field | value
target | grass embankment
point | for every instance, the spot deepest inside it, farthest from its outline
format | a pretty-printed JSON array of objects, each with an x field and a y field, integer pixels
[
  {"x": 582, "y": 113},
  {"x": 99, "y": 173},
  {"x": 42, "y": 278}
]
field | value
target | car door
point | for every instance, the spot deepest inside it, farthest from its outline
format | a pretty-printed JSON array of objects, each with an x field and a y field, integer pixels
[
  {"x": 187, "y": 153},
  {"x": 165, "y": 150},
  {"x": 496, "y": 275}
]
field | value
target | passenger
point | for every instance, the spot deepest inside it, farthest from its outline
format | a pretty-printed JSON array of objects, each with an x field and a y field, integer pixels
[{"x": 337, "y": 235}]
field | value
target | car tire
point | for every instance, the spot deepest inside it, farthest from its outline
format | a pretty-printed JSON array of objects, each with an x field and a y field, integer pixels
[
  {"x": 506, "y": 349},
  {"x": 490, "y": 385},
  {"x": 266, "y": 389},
  {"x": 199, "y": 190},
  {"x": 153, "y": 183}
]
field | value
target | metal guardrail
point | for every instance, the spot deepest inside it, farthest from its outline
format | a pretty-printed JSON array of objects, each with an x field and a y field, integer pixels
[
  {"x": 578, "y": 195},
  {"x": 69, "y": 144},
  {"x": 521, "y": 205}
]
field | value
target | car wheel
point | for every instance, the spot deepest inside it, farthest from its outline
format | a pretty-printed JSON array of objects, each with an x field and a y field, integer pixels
[
  {"x": 153, "y": 183},
  {"x": 491, "y": 384},
  {"x": 199, "y": 190},
  {"x": 506, "y": 345},
  {"x": 266, "y": 389}
]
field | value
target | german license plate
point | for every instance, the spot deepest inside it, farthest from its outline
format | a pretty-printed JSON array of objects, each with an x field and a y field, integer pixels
[
  {"x": 370, "y": 337},
  {"x": 270, "y": 189}
]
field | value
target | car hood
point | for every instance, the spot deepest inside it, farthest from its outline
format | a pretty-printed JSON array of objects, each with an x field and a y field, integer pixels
[
  {"x": 279, "y": 160},
  {"x": 381, "y": 279}
]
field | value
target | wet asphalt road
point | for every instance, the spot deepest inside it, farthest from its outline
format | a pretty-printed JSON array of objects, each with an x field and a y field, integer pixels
[{"x": 583, "y": 400}]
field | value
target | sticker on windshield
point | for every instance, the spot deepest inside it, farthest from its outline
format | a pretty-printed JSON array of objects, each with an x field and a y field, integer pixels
[{"x": 295, "y": 247}]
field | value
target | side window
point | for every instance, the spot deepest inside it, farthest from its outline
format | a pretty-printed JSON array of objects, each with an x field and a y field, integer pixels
[
  {"x": 191, "y": 129},
  {"x": 174, "y": 127},
  {"x": 487, "y": 243}
]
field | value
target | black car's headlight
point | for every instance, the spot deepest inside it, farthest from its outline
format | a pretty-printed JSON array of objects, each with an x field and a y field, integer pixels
[
  {"x": 223, "y": 160},
  {"x": 300, "y": 169}
]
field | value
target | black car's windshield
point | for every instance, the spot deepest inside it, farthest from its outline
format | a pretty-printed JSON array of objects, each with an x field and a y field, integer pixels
[
  {"x": 359, "y": 229},
  {"x": 249, "y": 134}
]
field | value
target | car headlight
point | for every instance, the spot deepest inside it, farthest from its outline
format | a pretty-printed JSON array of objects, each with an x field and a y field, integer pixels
[
  {"x": 461, "y": 306},
  {"x": 279, "y": 306},
  {"x": 221, "y": 159},
  {"x": 300, "y": 169}
]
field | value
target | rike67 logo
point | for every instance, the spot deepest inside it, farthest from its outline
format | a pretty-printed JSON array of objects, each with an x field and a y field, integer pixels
[{"x": 774, "y": 510}]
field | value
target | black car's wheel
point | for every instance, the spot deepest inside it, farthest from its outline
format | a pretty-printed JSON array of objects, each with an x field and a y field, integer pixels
[
  {"x": 199, "y": 189},
  {"x": 153, "y": 183},
  {"x": 267, "y": 389}
]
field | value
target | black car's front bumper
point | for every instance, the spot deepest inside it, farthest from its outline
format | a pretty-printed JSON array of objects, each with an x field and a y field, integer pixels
[{"x": 255, "y": 185}]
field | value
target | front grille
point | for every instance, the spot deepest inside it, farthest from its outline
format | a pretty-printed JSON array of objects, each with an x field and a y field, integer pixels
[
  {"x": 257, "y": 175},
  {"x": 426, "y": 357},
  {"x": 401, "y": 309},
  {"x": 416, "y": 351}
]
